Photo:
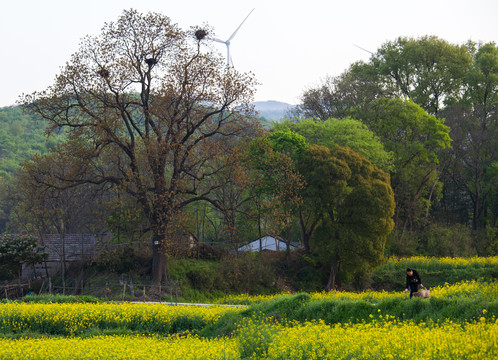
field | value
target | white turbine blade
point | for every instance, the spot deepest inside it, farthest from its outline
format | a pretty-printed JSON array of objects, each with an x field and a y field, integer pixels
[
  {"x": 235, "y": 32},
  {"x": 359, "y": 47},
  {"x": 218, "y": 40}
]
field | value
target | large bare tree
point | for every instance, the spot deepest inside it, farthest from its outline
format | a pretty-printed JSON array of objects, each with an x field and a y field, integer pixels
[{"x": 150, "y": 109}]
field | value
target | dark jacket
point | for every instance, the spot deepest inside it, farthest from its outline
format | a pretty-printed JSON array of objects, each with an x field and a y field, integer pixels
[{"x": 413, "y": 282}]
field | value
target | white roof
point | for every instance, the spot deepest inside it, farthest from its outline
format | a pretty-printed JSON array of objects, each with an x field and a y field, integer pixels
[{"x": 267, "y": 243}]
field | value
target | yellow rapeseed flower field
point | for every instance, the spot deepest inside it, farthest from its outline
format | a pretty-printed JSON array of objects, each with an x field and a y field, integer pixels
[
  {"x": 260, "y": 340},
  {"x": 70, "y": 319},
  {"x": 429, "y": 261},
  {"x": 75, "y": 330},
  {"x": 465, "y": 289},
  {"x": 386, "y": 340},
  {"x": 119, "y": 347}
]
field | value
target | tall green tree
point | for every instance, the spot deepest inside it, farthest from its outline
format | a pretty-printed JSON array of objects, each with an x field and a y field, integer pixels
[
  {"x": 427, "y": 70},
  {"x": 473, "y": 160},
  {"x": 147, "y": 110},
  {"x": 356, "y": 87},
  {"x": 415, "y": 139},
  {"x": 353, "y": 199}
]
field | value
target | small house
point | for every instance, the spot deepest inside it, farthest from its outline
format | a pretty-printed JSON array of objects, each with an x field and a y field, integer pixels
[{"x": 268, "y": 243}]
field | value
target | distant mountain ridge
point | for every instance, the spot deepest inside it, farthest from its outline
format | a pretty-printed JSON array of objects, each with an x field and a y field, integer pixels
[{"x": 272, "y": 110}]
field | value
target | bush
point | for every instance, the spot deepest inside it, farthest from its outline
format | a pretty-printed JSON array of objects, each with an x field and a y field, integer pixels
[
  {"x": 202, "y": 279},
  {"x": 455, "y": 240},
  {"x": 206, "y": 251},
  {"x": 302, "y": 271},
  {"x": 58, "y": 299},
  {"x": 247, "y": 273},
  {"x": 123, "y": 260},
  {"x": 16, "y": 250}
]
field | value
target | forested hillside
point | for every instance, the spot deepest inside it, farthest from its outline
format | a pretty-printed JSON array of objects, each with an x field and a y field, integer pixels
[{"x": 22, "y": 135}]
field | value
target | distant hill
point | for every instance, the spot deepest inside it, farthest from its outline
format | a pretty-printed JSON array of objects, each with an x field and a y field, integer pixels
[
  {"x": 21, "y": 136},
  {"x": 272, "y": 110}
]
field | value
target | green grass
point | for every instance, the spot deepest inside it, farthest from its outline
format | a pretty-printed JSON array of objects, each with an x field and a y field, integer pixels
[
  {"x": 55, "y": 298},
  {"x": 434, "y": 271}
]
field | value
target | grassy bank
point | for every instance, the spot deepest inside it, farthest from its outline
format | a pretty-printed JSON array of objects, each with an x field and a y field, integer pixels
[
  {"x": 471, "y": 301},
  {"x": 434, "y": 271}
]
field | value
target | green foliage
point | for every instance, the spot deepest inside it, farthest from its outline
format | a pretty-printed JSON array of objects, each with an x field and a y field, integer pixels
[
  {"x": 472, "y": 161},
  {"x": 246, "y": 273},
  {"x": 16, "y": 250},
  {"x": 453, "y": 240},
  {"x": 346, "y": 133},
  {"x": 406, "y": 130},
  {"x": 21, "y": 136},
  {"x": 284, "y": 307},
  {"x": 124, "y": 259},
  {"x": 56, "y": 299},
  {"x": 427, "y": 69},
  {"x": 203, "y": 278},
  {"x": 356, "y": 202},
  {"x": 287, "y": 142},
  {"x": 390, "y": 276},
  {"x": 414, "y": 138},
  {"x": 334, "y": 311}
]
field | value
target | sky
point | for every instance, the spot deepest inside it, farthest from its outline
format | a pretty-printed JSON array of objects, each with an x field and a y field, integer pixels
[{"x": 290, "y": 46}]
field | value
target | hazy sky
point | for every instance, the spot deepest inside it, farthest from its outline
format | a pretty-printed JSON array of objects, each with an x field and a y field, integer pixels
[{"x": 289, "y": 45}]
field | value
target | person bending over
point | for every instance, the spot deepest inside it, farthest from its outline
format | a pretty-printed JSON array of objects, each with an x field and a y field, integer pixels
[{"x": 413, "y": 282}]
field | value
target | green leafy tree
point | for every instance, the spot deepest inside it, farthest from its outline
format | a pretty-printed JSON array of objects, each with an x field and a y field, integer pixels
[
  {"x": 427, "y": 70},
  {"x": 273, "y": 180},
  {"x": 353, "y": 199},
  {"x": 16, "y": 250},
  {"x": 472, "y": 161},
  {"x": 21, "y": 137},
  {"x": 355, "y": 88},
  {"x": 345, "y": 132},
  {"x": 414, "y": 138}
]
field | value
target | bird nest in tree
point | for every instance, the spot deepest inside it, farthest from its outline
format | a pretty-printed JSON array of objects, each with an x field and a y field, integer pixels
[
  {"x": 103, "y": 72},
  {"x": 200, "y": 34},
  {"x": 151, "y": 61}
]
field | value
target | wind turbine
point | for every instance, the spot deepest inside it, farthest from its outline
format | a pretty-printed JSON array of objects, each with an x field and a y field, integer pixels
[
  {"x": 227, "y": 42},
  {"x": 376, "y": 56},
  {"x": 359, "y": 47}
]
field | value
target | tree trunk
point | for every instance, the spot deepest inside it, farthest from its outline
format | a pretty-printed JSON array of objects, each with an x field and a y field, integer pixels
[
  {"x": 307, "y": 233},
  {"x": 259, "y": 232},
  {"x": 334, "y": 267},
  {"x": 159, "y": 261}
]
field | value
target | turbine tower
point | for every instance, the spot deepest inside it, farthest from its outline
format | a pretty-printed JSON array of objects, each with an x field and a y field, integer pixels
[{"x": 227, "y": 42}]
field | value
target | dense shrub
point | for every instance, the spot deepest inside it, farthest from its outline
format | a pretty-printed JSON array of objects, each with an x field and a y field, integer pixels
[
  {"x": 58, "y": 299},
  {"x": 247, "y": 273},
  {"x": 206, "y": 251},
  {"x": 455, "y": 240},
  {"x": 123, "y": 260}
]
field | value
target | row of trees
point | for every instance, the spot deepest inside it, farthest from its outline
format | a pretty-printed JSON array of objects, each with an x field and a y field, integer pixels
[
  {"x": 160, "y": 141},
  {"x": 453, "y": 91},
  {"x": 158, "y": 130}
]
